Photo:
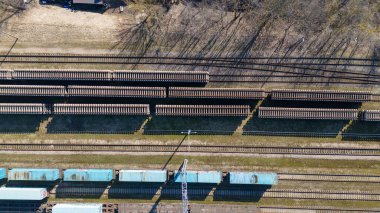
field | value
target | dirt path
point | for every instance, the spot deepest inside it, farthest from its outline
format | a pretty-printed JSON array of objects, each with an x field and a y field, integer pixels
[{"x": 46, "y": 28}]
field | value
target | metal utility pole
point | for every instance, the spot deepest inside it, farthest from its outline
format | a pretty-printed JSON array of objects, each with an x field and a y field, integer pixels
[
  {"x": 188, "y": 138},
  {"x": 185, "y": 200}
]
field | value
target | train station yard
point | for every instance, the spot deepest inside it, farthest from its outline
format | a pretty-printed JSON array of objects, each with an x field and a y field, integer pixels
[{"x": 189, "y": 106}]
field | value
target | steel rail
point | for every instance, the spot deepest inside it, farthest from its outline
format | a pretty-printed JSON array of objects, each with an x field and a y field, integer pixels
[
  {"x": 328, "y": 177},
  {"x": 314, "y": 209},
  {"x": 226, "y": 192},
  {"x": 193, "y": 149},
  {"x": 65, "y": 55}
]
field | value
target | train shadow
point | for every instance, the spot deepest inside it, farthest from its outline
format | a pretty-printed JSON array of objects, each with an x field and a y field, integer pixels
[
  {"x": 362, "y": 131},
  {"x": 310, "y": 104},
  {"x": 20, "y": 124},
  {"x": 172, "y": 191},
  {"x": 199, "y": 125},
  {"x": 93, "y": 190},
  {"x": 99, "y": 124},
  {"x": 241, "y": 193},
  {"x": 293, "y": 127},
  {"x": 134, "y": 190},
  {"x": 31, "y": 99},
  {"x": 20, "y": 206}
]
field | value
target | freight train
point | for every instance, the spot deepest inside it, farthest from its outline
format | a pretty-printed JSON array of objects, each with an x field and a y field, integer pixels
[{"x": 141, "y": 176}]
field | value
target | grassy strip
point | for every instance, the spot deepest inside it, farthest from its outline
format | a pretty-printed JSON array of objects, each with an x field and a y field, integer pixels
[
  {"x": 205, "y": 162},
  {"x": 175, "y": 139}
]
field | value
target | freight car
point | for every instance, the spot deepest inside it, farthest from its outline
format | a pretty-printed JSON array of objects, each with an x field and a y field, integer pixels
[
  {"x": 308, "y": 113},
  {"x": 3, "y": 173},
  {"x": 202, "y": 110},
  {"x": 21, "y": 108},
  {"x": 220, "y": 93},
  {"x": 200, "y": 177},
  {"x": 23, "y": 174},
  {"x": 371, "y": 115},
  {"x": 153, "y": 176},
  {"x": 31, "y": 90},
  {"x": 321, "y": 95},
  {"x": 116, "y": 91},
  {"x": 97, "y": 175},
  {"x": 161, "y": 76},
  {"x": 101, "y": 109},
  {"x": 253, "y": 178}
]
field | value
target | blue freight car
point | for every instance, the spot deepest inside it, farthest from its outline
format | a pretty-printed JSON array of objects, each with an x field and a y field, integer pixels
[
  {"x": 191, "y": 176},
  {"x": 210, "y": 176},
  {"x": 199, "y": 177},
  {"x": 154, "y": 176},
  {"x": 259, "y": 178},
  {"x": 105, "y": 175},
  {"x": 3, "y": 173},
  {"x": 22, "y": 193},
  {"x": 33, "y": 174}
]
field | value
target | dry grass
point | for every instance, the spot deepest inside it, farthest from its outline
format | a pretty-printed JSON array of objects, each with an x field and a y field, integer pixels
[{"x": 195, "y": 162}]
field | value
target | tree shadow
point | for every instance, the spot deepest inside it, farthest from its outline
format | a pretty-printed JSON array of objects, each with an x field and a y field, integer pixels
[
  {"x": 134, "y": 190},
  {"x": 20, "y": 123},
  {"x": 362, "y": 131},
  {"x": 199, "y": 125},
  {"x": 93, "y": 190},
  {"x": 99, "y": 124}
]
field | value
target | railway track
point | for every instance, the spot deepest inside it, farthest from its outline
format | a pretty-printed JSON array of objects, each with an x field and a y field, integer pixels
[
  {"x": 247, "y": 64},
  {"x": 192, "y": 149},
  {"x": 113, "y": 58},
  {"x": 329, "y": 177},
  {"x": 112, "y": 207},
  {"x": 322, "y": 195},
  {"x": 306, "y": 209},
  {"x": 221, "y": 193}
]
